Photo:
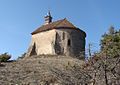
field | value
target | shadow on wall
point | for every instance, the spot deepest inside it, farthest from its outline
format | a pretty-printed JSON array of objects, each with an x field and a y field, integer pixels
[{"x": 33, "y": 51}]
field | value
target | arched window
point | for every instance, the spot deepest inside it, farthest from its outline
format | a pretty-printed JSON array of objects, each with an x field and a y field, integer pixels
[
  {"x": 69, "y": 42},
  {"x": 63, "y": 36}
]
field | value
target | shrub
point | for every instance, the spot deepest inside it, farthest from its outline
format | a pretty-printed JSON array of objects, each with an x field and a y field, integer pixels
[{"x": 4, "y": 57}]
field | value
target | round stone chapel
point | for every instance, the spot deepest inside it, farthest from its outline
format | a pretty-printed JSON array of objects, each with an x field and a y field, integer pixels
[{"x": 57, "y": 38}]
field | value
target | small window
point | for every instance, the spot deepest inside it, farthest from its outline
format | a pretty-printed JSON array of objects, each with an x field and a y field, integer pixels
[
  {"x": 69, "y": 43},
  {"x": 63, "y": 36}
]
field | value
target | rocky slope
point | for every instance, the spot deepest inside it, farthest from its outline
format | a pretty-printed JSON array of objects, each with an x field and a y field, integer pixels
[{"x": 43, "y": 70}]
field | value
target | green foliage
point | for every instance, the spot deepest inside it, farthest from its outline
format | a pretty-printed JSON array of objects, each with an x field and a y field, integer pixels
[
  {"x": 4, "y": 57},
  {"x": 110, "y": 43}
]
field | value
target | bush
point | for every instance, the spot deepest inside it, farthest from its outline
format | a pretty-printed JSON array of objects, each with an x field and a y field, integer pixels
[{"x": 4, "y": 57}]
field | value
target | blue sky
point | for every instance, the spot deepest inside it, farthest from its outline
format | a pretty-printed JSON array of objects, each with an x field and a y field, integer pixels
[{"x": 18, "y": 18}]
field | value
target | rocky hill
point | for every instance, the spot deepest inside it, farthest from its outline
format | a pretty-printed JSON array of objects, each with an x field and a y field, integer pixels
[
  {"x": 43, "y": 70},
  {"x": 60, "y": 70}
]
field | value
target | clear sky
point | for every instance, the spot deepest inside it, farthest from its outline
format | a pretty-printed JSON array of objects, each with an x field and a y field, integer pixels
[{"x": 18, "y": 18}]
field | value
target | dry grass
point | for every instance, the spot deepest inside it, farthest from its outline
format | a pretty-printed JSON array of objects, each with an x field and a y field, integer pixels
[{"x": 43, "y": 70}]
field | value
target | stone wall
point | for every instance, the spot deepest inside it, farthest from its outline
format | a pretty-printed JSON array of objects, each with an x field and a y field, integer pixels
[
  {"x": 67, "y": 42},
  {"x": 71, "y": 42},
  {"x": 44, "y": 42}
]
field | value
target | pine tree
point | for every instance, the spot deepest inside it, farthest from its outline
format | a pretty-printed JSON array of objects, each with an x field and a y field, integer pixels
[{"x": 110, "y": 43}]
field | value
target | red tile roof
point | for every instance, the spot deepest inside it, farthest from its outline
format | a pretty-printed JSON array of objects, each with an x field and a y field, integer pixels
[{"x": 60, "y": 24}]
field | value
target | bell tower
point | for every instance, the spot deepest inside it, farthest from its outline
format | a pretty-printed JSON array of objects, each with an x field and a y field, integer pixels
[{"x": 48, "y": 18}]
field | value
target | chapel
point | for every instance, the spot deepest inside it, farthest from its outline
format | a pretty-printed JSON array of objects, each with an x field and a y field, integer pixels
[{"x": 59, "y": 37}]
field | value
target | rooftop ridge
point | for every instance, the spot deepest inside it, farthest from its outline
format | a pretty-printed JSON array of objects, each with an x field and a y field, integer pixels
[{"x": 62, "y": 23}]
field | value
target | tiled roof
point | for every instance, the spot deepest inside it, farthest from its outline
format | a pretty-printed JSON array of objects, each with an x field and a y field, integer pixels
[{"x": 63, "y": 24}]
